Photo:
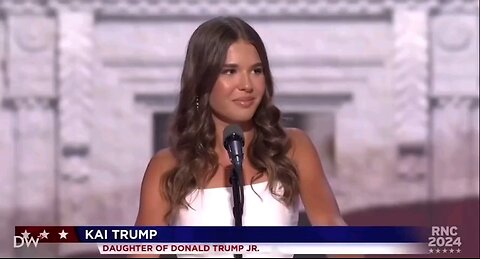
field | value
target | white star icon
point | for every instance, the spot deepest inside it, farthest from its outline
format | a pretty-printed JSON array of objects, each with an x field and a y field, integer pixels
[
  {"x": 25, "y": 234},
  {"x": 63, "y": 234},
  {"x": 445, "y": 250},
  {"x": 438, "y": 250},
  {"x": 458, "y": 250},
  {"x": 451, "y": 250},
  {"x": 43, "y": 235},
  {"x": 431, "y": 250}
]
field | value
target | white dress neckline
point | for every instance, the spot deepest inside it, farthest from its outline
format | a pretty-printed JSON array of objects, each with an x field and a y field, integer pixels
[{"x": 213, "y": 207}]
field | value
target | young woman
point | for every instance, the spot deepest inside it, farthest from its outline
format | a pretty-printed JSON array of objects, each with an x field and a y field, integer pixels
[{"x": 226, "y": 79}]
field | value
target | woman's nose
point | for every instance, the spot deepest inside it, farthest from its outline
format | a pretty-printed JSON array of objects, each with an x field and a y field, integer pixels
[{"x": 245, "y": 82}]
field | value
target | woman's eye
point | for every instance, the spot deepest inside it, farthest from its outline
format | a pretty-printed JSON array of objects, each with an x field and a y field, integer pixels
[
  {"x": 258, "y": 70},
  {"x": 228, "y": 71}
]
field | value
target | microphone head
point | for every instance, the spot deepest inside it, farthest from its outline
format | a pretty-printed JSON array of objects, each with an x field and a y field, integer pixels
[{"x": 232, "y": 132}]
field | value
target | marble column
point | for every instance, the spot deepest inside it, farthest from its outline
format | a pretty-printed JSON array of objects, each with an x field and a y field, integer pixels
[
  {"x": 7, "y": 173},
  {"x": 75, "y": 64},
  {"x": 410, "y": 83},
  {"x": 31, "y": 93},
  {"x": 455, "y": 116}
]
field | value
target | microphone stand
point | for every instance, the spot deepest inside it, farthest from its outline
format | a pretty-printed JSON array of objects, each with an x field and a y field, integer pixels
[{"x": 236, "y": 179}]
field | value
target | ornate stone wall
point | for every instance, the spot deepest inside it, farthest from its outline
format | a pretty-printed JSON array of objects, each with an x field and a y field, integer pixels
[
  {"x": 390, "y": 86},
  {"x": 76, "y": 67},
  {"x": 7, "y": 202},
  {"x": 410, "y": 82},
  {"x": 455, "y": 111},
  {"x": 29, "y": 97}
]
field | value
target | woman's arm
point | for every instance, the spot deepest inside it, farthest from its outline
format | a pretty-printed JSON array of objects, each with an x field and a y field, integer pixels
[
  {"x": 153, "y": 206},
  {"x": 316, "y": 194}
]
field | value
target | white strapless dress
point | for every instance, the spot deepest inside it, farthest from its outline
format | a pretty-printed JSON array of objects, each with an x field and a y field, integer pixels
[{"x": 213, "y": 207}]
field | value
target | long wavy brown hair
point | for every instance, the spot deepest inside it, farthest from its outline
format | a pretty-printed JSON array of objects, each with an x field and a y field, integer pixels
[{"x": 192, "y": 136}]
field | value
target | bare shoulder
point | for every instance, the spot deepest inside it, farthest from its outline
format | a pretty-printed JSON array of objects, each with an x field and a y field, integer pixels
[
  {"x": 153, "y": 204},
  {"x": 303, "y": 153},
  {"x": 301, "y": 143},
  {"x": 161, "y": 162},
  {"x": 296, "y": 134}
]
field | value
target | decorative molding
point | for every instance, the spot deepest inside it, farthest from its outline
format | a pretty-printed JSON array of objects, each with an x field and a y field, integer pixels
[
  {"x": 33, "y": 33},
  {"x": 30, "y": 103},
  {"x": 444, "y": 101},
  {"x": 311, "y": 103},
  {"x": 75, "y": 77},
  {"x": 259, "y": 8},
  {"x": 76, "y": 65},
  {"x": 30, "y": 55},
  {"x": 412, "y": 163},
  {"x": 410, "y": 80},
  {"x": 453, "y": 35},
  {"x": 204, "y": 8},
  {"x": 24, "y": 7},
  {"x": 454, "y": 55}
]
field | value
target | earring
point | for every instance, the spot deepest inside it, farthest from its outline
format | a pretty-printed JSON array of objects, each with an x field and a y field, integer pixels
[{"x": 197, "y": 102}]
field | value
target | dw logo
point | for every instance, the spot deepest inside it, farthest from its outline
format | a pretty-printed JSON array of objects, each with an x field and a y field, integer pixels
[{"x": 25, "y": 240}]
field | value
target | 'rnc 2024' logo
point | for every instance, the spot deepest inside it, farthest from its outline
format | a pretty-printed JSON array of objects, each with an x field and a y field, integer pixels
[
  {"x": 26, "y": 240},
  {"x": 445, "y": 239}
]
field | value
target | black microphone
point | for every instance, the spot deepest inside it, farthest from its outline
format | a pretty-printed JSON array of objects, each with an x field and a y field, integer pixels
[{"x": 233, "y": 142}]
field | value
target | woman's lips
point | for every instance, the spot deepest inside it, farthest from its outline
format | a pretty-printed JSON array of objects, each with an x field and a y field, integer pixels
[{"x": 244, "y": 102}]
